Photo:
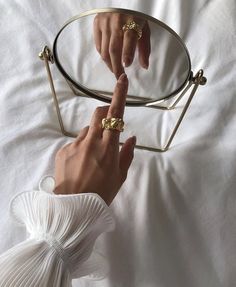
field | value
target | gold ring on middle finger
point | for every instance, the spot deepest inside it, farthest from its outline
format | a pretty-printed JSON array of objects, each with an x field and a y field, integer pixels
[
  {"x": 113, "y": 124},
  {"x": 132, "y": 25}
]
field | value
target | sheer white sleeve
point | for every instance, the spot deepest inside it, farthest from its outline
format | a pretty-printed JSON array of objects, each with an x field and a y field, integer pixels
[{"x": 63, "y": 230}]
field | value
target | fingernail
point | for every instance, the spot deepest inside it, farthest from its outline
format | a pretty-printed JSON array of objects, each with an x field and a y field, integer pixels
[
  {"x": 127, "y": 62},
  {"x": 145, "y": 64},
  {"x": 123, "y": 78}
]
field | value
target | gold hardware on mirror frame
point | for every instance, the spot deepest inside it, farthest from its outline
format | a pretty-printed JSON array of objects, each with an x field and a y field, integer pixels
[
  {"x": 47, "y": 56},
  {"x": 46, "y": 53},
  {"x": 198, "y": 79}
]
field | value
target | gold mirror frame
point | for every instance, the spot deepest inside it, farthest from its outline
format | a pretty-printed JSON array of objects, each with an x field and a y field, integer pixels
[{"x": 191, "y": 81}]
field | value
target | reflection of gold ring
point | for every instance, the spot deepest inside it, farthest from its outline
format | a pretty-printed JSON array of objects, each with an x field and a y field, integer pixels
[
  {"x": 133, "y": 26},
  {"x": 113, "y": 124}
]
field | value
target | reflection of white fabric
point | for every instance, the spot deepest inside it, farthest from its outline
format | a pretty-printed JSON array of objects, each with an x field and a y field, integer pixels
[
  {"x": 63, "y": 229},
  {"x": 176, "y": 212}
]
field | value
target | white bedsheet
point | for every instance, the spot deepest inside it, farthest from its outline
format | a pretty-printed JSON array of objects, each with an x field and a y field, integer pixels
[{"x": 176, "y": 212}]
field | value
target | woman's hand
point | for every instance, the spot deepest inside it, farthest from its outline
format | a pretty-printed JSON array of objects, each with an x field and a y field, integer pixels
[
  {"x": 117, "y": 47},
  {"x": 93, "y": 162}
]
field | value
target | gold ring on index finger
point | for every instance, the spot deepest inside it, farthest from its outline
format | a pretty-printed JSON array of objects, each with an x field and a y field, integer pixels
[
  {"x": 113, "y": 124},
  {"x": 133, "y": 26}
]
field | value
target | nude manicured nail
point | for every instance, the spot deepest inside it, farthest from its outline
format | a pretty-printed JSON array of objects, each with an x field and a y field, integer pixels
[
  {"x": 144, "y": 64},
  {"x": 127, "y": 61},
  {"x": 126, "y": 64}
]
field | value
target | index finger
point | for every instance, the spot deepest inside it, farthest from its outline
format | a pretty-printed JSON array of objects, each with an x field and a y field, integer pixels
[{"x": 117, "y": 107}]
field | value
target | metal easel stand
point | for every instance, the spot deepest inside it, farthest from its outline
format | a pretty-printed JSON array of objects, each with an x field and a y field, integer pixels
[{"x": 194, "y": 82}]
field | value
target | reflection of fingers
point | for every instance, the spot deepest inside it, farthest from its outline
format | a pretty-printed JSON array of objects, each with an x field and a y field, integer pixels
[
  {"x": 126, "y": 157},
  {"x": 115, "y": 50},
  {"x": 97, "y": 35},
  {"x": 82, "y": 135},
  {"x": 105, "y": 49},
  {"x": 144, "y": 47},
  {"x": 129, "y": 46},
  {"x": 95, "y": 128},
  {"x": 116, "y": 109}
]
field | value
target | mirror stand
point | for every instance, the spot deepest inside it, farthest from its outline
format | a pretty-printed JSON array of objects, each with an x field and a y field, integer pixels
[{"x": 194, "y": 82}]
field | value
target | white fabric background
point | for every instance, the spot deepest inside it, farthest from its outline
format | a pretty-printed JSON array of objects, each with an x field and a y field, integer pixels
[{"x": 176, "y": 212}]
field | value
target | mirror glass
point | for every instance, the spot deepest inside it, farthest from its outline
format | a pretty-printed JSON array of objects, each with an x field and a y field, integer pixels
[{"x": 92, "y": 51}]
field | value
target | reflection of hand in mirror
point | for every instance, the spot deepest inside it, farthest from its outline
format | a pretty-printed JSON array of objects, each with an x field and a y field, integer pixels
[{"x": 117, "y": 47}]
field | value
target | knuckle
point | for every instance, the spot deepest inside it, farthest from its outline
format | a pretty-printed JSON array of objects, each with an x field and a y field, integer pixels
[{"x": 98, "y": 111}]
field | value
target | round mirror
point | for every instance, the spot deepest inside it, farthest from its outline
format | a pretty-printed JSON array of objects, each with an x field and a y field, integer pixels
[{"x": 93, "y": 49}]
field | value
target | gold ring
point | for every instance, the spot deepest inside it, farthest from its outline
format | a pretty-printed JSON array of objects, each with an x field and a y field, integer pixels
[
  {"x": 133, "y": 26},
  {"x": 113, "y": 124}
]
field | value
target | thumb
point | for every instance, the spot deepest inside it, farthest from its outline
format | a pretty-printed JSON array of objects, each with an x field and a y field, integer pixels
[{"x": 126, "y": 156}]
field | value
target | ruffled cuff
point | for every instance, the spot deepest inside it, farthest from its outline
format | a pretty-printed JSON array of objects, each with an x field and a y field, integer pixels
[{"x": 63, "y": 230}]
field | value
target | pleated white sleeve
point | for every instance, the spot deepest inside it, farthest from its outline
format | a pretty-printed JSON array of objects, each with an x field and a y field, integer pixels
[{"x": 62, "y": 232}]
